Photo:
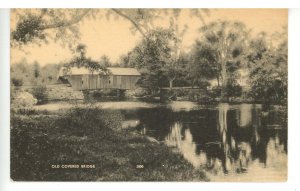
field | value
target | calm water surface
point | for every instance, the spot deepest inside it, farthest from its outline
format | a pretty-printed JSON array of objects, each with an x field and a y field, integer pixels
[{"x": 233, "y": 142}]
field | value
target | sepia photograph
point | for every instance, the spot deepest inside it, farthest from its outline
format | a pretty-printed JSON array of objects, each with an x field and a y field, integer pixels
[{"x": 160, "y": 95}]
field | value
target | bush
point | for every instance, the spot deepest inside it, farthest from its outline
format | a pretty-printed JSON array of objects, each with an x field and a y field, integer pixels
[
  {"x": 92, "y": 119},
  {"x": 17, "y": 82},
  {"x": 104, "y": 94},
  {"x": 141, "y": 92},
  {"x": 269, "y": 91},
  {"x": 215, "y": 92},
  {"x": 91, "y": 96},
  {"x": 197, "y": 95},
  {"x": 182, "y": 92},
  {"x": 23, "y": 100},
  {"x": 40, "y": 94},
  {"x": 233, "y": 90}
]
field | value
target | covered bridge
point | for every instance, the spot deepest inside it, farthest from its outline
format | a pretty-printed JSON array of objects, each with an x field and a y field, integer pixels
[{"x": 85, "y": 79}]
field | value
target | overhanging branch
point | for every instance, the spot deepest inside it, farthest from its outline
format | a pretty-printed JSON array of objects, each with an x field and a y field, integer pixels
[
  {"x": 136, "y": 25},
  {"x": 67, "y": 23}
]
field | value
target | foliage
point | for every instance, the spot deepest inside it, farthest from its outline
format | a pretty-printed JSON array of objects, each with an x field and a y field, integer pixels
[
  {"x": 151, "y": 57},
  {"x": 233, "y": 90},
  {"x": 182, "y": 75},
  {"x": 36, "y": 69},
  {"x": 104, "y": 61},
  {"x": 91, "y": 96},
  {"x": 268, "y": 69},
  {"x": 17, "y": 82},
  {"x": 33, "y": 25},
  {"x": 65, "y": 23},
  {"x": 174, "y": 67},
  {"x": 155, "y": 59},
  {"x": 91, "y": 118},
  {"x": 222, "y": 48},
  {"x": 199, "y": 96},
  {"x": 81, "y": 60},
  {"x": 49, "y": 73},
  {"x": 85, "y": 62},
  {"x": 27, "y": 29},
  {"x": 22, "y": 100},
  {"x": 41, "y": 25},
  {"x": 90, "y": 136},
  {"x": 40, "y": 93},
  {"x": 33, "y": 73},
  {"x": 204, "y": 63},
  {"x": 215, "y": 92}
]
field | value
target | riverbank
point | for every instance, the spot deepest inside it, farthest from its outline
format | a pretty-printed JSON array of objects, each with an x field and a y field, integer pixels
[{"x": 88, "y": 144}]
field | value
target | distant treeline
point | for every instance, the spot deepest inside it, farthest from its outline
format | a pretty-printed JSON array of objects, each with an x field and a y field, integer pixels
[{"x": 25, "y": 74}]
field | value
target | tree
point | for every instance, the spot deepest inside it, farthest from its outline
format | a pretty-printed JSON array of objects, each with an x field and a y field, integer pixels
[
  {"x": 174, "y": 68},
  {"x": 142, "y": 21},
  {"x": 228, "y": 42},
  {"x": 123, "y": 60},
  {"x": 50, "y": 72},
  {"x": 80, "y": 51},
  {"x": 132, "y": 58},
  {"x": 37, "y": 69},
  {"x": 81, "y": 60},
  {"x": 203, "y": 65},
  {"x": 183, "y": 77},
  {"x": 33, "y": 25},
  {"x": 177, "y": 30},
  {"x": 153, "y": 57},
  {"x": 104, "y": 61},
  {"x": 267, "y": 62}
]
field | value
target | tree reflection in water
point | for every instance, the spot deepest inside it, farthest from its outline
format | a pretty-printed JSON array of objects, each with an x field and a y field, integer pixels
[
  {"x": 232, "y": 140},
  {"x": 243, "y": 145}
]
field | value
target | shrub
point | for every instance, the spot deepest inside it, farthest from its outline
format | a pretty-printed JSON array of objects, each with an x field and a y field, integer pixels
[
  {"x": 39, "y": 93},
  {"x": 233, "y": 90},
  {"x": 140, "y": 92},
  {"x": 85, "y": 120},
  {"x": 182, "y": 92},
  {"x": 91, "y": 96},
  {"x": 104, "y": 94},
  {"x": 17, "y": 82},
  {"x": 215, "y": 92},
  {"x": 23, "y": 100}
]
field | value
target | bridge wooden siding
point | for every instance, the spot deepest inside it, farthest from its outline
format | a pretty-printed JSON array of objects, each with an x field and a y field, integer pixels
[{"x": 119, "y": 78}]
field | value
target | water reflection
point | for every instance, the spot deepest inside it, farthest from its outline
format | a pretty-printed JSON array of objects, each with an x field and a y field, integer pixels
[
  {"x": 186, "y": 146},
  {"x": 228, "y": 140},
  {"x": 130, "y": 123}
]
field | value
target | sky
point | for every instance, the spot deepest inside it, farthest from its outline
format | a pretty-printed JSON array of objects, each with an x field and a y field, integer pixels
[{"x": 113, "y": 37}]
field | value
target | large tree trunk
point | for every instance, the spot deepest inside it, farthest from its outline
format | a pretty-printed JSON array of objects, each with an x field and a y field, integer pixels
[
  {"x": 171, "y": 84},
  {"x": 224, "y": 96}
]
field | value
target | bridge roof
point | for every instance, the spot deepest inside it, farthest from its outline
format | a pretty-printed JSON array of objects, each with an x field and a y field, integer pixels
[
  {"x": 85, "y": 71},
  {"x": 124, "y": 71}
]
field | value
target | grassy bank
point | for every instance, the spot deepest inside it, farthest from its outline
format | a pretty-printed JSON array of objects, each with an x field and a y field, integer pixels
[{"x": 89, "y": 136}]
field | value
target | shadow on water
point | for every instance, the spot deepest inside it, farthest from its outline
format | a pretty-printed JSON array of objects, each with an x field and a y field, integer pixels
[{"x": 230, "y": 141}]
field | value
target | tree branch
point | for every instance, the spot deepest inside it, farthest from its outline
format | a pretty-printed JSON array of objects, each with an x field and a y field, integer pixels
[
  {"x": 136, "y": 25},
  {"x": 67, "y": 23}
]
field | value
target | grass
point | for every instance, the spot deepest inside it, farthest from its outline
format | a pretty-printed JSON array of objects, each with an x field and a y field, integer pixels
[{"x": 90, "y": 136}]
